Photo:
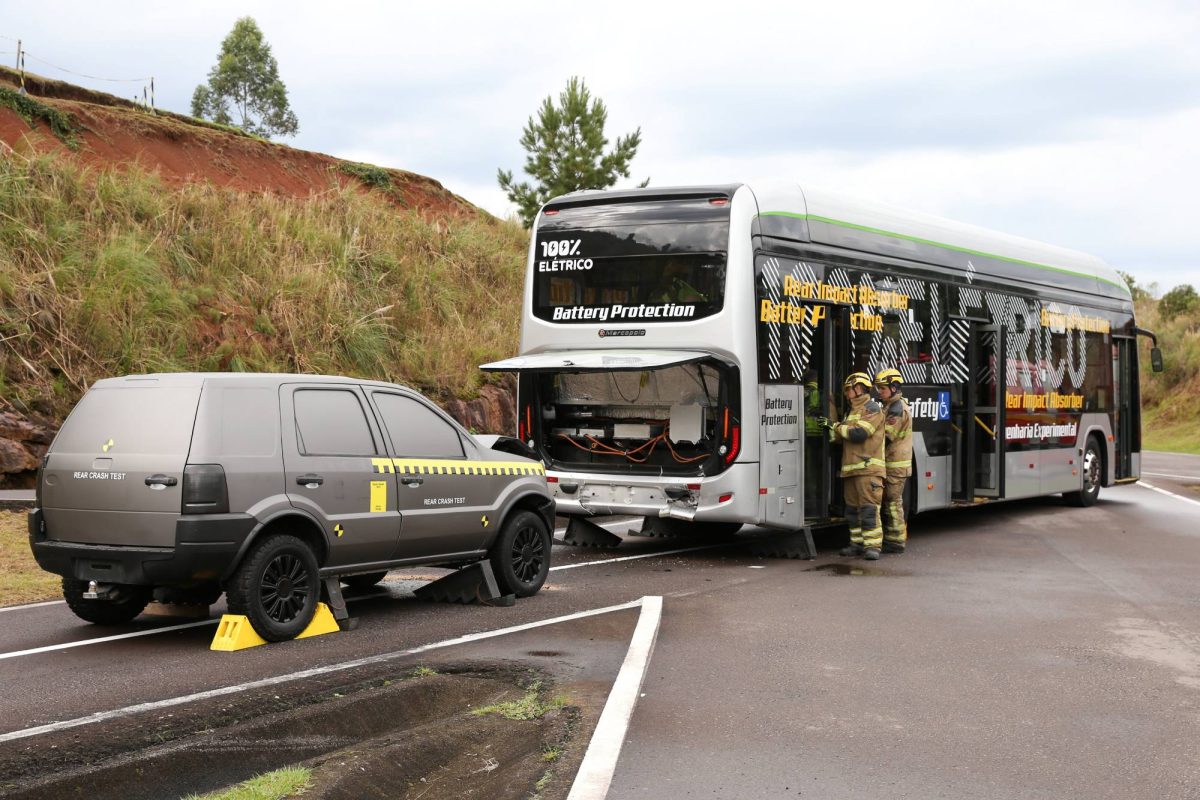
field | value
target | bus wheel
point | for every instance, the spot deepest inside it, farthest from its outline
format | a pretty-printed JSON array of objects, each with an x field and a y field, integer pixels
[{"x": 1090, "y": 492}]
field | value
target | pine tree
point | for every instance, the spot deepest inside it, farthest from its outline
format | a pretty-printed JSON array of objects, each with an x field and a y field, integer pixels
[
  {"x": 565, "y": 147},
  {"x": 246, "y": 76}
]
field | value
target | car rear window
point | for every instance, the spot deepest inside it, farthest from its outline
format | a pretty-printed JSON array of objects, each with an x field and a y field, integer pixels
[{"x": 147, "y": 419}]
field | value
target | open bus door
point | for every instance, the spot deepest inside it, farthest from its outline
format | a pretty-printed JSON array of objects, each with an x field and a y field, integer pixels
[
  {"x": 979, "y": 417},
  {"x": 1127, "y": 432}
]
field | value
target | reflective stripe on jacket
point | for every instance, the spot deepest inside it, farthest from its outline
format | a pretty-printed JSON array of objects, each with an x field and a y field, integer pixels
[
  {"x": 865, "y": 457},
  {"x": 898, "y": 431}
]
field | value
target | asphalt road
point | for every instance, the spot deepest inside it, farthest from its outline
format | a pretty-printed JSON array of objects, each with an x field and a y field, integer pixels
[{"x": 1024, "y": 650}]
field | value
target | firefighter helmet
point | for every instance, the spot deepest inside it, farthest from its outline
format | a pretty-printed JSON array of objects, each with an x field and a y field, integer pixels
[
  {"x": 888, "y": 377},
  {"x": 857, "y": 379}
]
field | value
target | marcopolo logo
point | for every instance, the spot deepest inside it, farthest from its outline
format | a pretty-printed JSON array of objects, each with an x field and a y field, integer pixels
[
  {"x": 931, "y": 408},
  {"x": 605, "y": 332}
]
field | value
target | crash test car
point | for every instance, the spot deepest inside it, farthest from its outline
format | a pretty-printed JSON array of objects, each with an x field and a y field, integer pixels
[{"x": 178, "y": 487}]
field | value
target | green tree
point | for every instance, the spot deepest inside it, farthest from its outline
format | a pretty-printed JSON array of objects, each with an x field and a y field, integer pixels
[
  {"x": 565, "y": 147},
  {"x": 247, "y": 77},
  {"x": 1179, "y": 302},
  {"x": 1135, "y": 291}
]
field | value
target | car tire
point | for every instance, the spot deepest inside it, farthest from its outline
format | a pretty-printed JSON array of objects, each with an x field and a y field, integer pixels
[
  {"x": 1090, "y": 469},
  {"x": 520, "y": 556},
  {"x": 128, "y": 601},
  {"x": 276, "y": 586},
  {"x": 363, "y": 581}
]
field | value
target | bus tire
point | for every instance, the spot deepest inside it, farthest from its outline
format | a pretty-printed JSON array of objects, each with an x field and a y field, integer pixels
[{"x": 1091, "y": 478}]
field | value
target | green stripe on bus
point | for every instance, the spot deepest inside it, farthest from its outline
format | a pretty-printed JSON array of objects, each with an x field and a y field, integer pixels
[{"x": 943, "y": 245}]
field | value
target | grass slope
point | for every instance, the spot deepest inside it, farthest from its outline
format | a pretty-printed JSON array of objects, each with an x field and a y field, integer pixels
[
  {"x": 113, "y": 272},
  {"x": 1171, "y": 399},
  {"x": 21, "y": 579}
]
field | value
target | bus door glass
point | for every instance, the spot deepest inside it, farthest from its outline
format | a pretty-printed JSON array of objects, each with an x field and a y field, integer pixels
[
  {"x": 821, "y": 388},
  {"x": 1124, "y": 370},
  {"x": 986, "y": 428}
]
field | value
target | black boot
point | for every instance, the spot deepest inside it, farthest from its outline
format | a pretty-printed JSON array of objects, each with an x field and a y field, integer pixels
[
  {"x": 871, "y": 554},
  {"x": 893, "y": 547},
  {"x": 852, "y": 550}
]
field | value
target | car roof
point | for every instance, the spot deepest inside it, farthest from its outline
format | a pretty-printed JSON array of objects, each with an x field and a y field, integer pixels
[{"x": 185, "y": 379}]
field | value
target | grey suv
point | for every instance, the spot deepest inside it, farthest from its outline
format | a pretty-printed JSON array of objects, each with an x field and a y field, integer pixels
[{"x": 181, "y": 486}]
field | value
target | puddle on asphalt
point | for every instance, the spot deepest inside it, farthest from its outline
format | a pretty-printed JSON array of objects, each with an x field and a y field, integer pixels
[{"x": 857, "y": 570}]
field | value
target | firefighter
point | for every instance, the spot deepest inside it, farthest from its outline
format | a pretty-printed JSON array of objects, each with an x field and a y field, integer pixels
[
  {"x": 897, "y": 429},
  {"x": 861, "y": 434}
]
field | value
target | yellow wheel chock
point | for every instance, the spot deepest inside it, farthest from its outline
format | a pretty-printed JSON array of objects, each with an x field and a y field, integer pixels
[{"x": 236, "y": 633}]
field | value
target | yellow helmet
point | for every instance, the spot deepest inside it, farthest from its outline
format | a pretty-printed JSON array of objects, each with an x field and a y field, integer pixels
[
  {"x": 857, "y": 379},
  {"x": 888, "y": 377}
]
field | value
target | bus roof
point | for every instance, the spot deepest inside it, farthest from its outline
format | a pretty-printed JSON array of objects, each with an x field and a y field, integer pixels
[
  {"x": 836, "y": 219},
  {"x": 788, "y": 210}
]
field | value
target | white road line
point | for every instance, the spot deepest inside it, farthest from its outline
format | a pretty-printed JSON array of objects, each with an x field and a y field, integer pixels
[
  {"x": 1169, "y": 494},
  {"x": 102, "y": 716},
  {"x": 33, "y": 605},
  {"x": 601, "y": 562},
  {"x": 1171, "y": 475},
  {"x": 600, "y": 761},
  {"x": 101, "y": 639},
  {"x": 148, "y": 632}
]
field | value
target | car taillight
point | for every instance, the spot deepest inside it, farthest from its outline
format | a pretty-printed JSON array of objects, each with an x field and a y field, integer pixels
[{"x": 204, "y": 489}]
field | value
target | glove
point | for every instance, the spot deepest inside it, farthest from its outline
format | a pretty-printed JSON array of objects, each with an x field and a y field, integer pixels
[{"x": 825, "y": 422}]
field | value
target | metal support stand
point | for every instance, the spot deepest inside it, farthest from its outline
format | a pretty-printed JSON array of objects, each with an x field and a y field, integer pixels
[
  {"x": 585, "y": 533},
  {"x": 471, "y": 584},
  {"x": 337, "y": 604},
  {"x": 662, "y": 527},
  {"x": 785, "y": 545}
]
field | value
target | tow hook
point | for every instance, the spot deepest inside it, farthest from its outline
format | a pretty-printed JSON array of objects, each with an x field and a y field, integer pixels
[{"x": 97, "y": 591}]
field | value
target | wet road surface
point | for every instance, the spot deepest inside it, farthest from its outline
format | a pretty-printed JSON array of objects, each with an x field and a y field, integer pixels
[{"x": 1025, "y": 649}]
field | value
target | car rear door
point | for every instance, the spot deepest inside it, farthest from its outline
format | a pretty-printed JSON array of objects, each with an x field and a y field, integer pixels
[
  {"x": 114, "y": 473},
  {"x": 332, "y": 448},
  {"x": 447, "y": 498}
]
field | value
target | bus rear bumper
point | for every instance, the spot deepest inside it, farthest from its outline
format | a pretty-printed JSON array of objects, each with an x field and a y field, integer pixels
[{"x": 731, "y": 496}]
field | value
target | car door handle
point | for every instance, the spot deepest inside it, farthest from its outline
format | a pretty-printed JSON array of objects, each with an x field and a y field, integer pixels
[
  {"x": 310, "y": 481},
  {"x": 160, "y": 481},
  {"x": 411, "y": 480}
]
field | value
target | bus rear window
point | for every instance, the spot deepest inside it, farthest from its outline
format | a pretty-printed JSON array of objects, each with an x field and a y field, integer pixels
[{"x": 632, "y": 263}]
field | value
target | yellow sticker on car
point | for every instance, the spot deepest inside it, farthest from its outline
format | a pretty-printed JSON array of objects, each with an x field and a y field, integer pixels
[{"x": 378, "y": 497}]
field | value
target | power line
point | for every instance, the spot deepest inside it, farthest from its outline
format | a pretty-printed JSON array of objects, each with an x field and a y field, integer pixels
[{"x": 82, "y": 75}]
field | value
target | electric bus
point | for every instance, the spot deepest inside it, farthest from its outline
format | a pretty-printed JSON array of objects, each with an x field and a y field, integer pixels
[{"x": 677, "y": 345}]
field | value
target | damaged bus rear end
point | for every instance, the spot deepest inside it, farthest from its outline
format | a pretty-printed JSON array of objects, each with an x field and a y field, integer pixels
[{"x": 631, "y": 379}]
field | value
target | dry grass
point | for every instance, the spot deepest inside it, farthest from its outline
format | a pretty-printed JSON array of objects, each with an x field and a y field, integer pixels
[
  {"x": 21, "y": 579},
  {"x": 1171, "y": 399},
  {"x": 108, "y": 273}
]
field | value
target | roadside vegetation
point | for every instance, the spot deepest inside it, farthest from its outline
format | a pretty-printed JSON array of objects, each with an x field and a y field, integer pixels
[
  {"x": 114, "y": 272},
  {"x": 531, "y": 706},
  {"x": 21, "y": 579},
  {"x": 1171, "y": 398},
  {"x": 275, "y": 785}
]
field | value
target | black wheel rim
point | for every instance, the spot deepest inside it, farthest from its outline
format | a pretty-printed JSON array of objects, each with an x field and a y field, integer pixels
[
  {"x": 284, "y": 588},
  {"x": 528, "y": 554}
]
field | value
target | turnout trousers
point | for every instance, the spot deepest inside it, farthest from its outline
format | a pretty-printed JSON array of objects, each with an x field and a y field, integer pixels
[
  {"x": 864, "y": 495},
  {"x": 895, "y": 529}
]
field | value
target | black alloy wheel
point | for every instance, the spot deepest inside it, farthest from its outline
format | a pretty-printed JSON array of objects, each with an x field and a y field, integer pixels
[
  {"x": 520, "y": 555},
  {"x": 276, "y": 587}
]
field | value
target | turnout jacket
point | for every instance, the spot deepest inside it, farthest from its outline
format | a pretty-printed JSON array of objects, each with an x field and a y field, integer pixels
[
  {"x": 897, "y": 429},
  {"x": 862, "y": 437}
]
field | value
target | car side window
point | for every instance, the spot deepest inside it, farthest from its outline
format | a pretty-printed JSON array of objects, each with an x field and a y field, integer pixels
[
  {"x": 416, "y": 430},
  {"x": 331, "y": 422}
]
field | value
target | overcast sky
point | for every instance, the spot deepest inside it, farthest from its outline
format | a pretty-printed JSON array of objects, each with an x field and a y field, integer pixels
[{"x": 1076, "y": 123}]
